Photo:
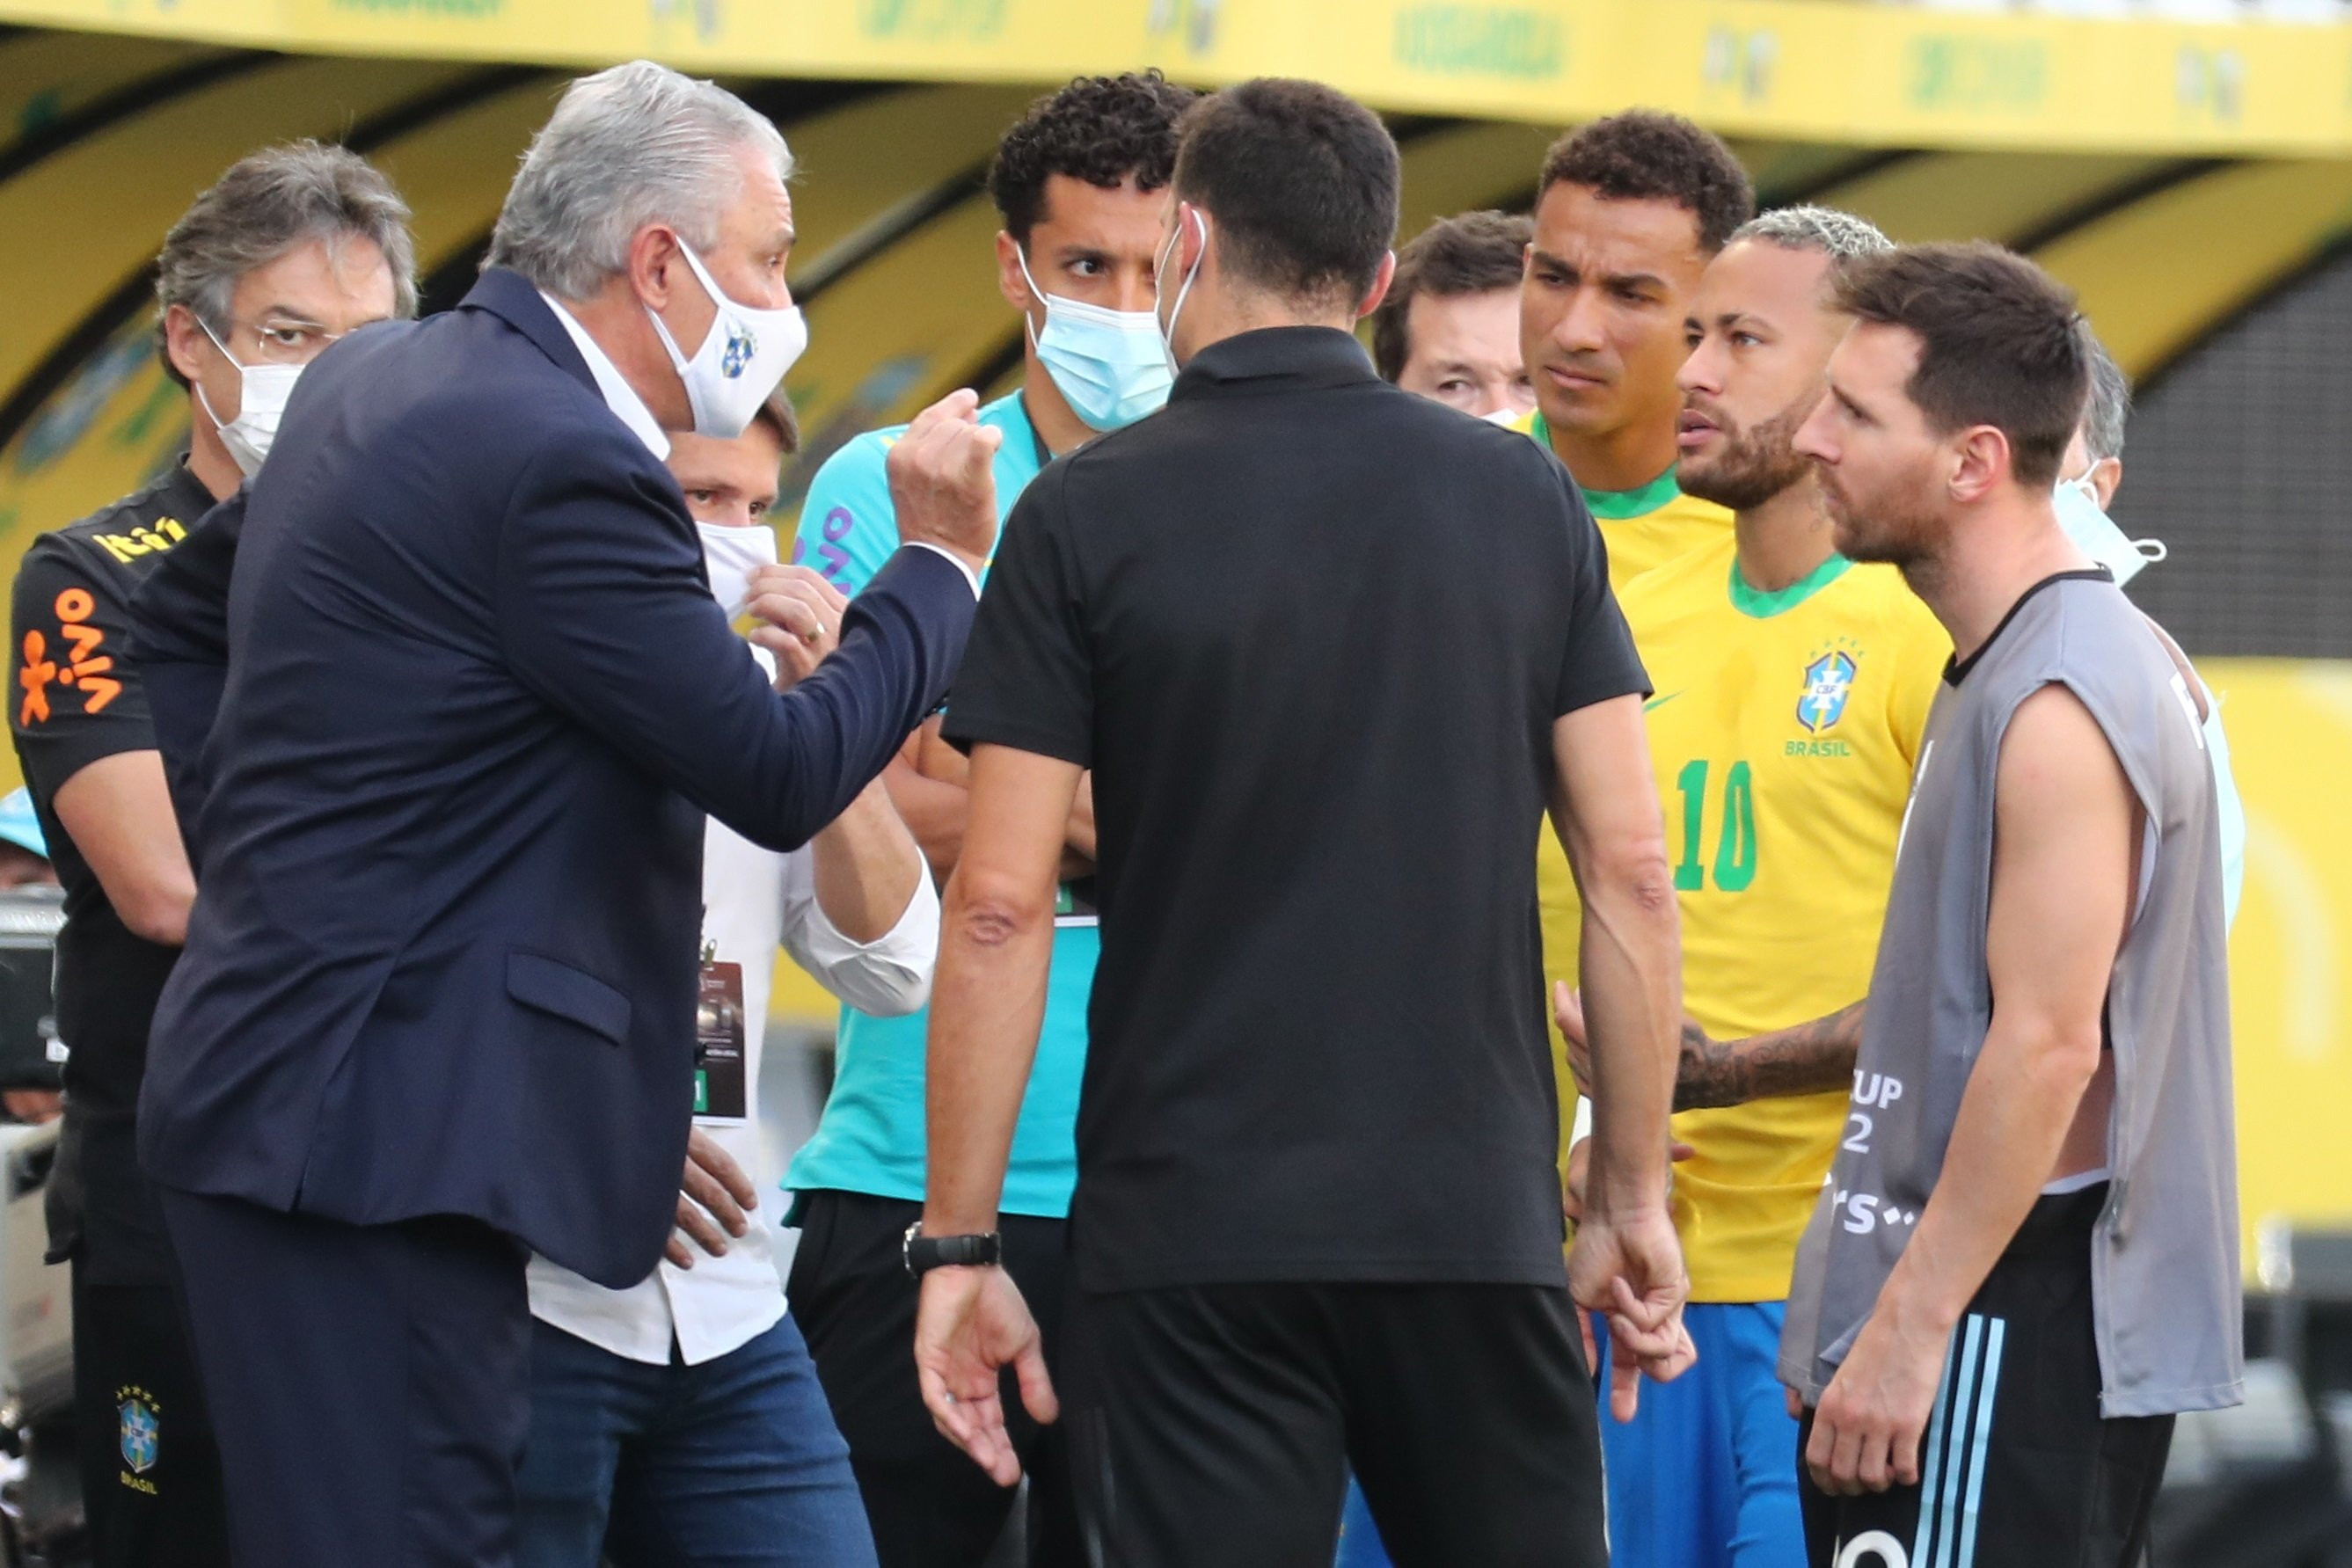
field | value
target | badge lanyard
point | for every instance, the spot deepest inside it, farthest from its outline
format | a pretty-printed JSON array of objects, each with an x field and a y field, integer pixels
[{"x": 721, "y": 1085}]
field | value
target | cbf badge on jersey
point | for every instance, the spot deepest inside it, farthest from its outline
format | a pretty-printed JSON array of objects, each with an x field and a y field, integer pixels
[
  {"x": 719, "y": 1080},
  {"x": 142, "y": 1441},
  {"x": 1829, "y": 682}
]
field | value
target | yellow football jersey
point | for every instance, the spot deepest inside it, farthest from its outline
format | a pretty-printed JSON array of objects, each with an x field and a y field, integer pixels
[
  {"x": 1643, "y": 528},
  {"x": 1783, "y": 729}
]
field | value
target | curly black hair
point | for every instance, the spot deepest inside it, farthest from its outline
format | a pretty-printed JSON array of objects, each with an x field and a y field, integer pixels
[
  {"x": 1101, "y": 129},
  {"x": 1644, "y": 155}
]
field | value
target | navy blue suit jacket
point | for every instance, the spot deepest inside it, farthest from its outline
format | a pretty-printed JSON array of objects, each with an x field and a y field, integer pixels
[{"x": 448, "y": 820}]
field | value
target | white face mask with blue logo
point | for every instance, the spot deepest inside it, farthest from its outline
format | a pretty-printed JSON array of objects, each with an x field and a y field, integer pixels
[
  {"x": 2095, "y": 534},
  {"x": 742, "y": 360},
  {"x": 1109, "y": 365}
]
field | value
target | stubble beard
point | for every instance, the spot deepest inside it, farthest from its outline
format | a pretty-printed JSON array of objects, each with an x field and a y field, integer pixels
[
  {"x": 1755, "y": 464},
  {"x": 1890, "y": 528}
]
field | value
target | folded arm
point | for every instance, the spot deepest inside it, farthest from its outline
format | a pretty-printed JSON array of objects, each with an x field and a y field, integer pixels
[
  {"x": 860, "y": 912},
  {"x": 603, "y": 610},
  {"x": 179, "y": 640}
]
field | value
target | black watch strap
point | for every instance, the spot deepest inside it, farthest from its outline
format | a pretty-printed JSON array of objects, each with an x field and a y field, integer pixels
[{"x": 925, "y": 1253}]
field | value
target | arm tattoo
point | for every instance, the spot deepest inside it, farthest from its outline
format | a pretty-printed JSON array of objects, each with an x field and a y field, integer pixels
[{"x": 1806, "y": 1059}]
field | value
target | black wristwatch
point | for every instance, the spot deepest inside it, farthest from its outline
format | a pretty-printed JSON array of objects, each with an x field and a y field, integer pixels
[{"x": 925, "y": 1253}]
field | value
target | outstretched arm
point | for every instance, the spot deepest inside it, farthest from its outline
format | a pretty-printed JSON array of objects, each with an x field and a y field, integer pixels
[
  {"x": 602, "y": 609},
  {"x": 1810, "y": 1058}
]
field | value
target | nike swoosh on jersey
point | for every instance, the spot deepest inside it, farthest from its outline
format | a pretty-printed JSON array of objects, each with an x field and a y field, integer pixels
[{"x": 1656, "y": 703}]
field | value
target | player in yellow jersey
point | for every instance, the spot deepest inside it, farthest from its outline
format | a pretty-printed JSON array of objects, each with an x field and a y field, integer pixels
[
  {"x": 1792, "y": 689},
  {"x": 1629, "y": 210}
]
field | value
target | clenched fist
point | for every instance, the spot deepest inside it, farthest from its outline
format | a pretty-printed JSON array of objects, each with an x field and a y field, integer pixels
[
  {"x": 800, "y": 613},
  {"x": 943, "y": 479}
]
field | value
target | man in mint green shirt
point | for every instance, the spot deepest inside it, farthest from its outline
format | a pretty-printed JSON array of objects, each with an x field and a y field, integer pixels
[{"x": 1080, "y": 182}]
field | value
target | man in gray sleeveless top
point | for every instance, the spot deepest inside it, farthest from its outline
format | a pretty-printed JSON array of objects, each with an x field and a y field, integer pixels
[{"x": 2026, "y": 1259}]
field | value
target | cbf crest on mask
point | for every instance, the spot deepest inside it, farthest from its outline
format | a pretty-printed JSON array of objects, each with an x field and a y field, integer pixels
[{"x": 742, "y": 359}]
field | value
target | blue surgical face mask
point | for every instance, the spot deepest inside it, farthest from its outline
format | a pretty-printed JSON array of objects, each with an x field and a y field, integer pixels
[
  {"x": 2095, "y": 534},
  {"x": 1107, "y": 364}
]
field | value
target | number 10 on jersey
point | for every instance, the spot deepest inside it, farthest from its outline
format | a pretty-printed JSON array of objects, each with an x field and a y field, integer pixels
[{"x": 1735, "y": 849}]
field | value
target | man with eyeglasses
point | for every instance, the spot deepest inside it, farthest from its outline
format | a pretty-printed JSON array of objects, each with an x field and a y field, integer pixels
[{"x": 294, "y": 248}]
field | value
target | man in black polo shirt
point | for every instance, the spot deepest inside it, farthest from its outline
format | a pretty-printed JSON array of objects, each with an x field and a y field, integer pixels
[
  {"x": 1331, "y": 650},
  {"x": 293, "y": 246}
]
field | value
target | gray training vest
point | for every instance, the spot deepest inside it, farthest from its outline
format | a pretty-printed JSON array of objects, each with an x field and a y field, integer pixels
[{"x": 2164, "y": 1259}]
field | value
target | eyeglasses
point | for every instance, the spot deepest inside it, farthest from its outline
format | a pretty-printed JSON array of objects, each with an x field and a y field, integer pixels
[{"x": 278, "y": 340}]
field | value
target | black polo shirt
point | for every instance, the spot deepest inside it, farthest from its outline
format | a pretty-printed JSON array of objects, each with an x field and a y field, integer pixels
[
  {"x": 76, "y": 697},
  {"x": 1311, "y": 633}
]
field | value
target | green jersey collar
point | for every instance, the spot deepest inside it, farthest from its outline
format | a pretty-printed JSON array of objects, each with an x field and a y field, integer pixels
[
  {"x": 1763, "y": 606},
  {"x": 1616, "y": 506}
]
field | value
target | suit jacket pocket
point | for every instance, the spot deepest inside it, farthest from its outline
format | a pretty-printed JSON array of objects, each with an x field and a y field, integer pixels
[{"x": 575, "y": 995}]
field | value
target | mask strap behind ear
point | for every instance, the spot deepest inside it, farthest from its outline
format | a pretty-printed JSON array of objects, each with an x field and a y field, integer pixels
[{"x": 1021, "y": 255}]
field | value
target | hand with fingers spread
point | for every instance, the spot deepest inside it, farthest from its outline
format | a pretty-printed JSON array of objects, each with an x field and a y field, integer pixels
[
  {"x": 942, "y": 475},
  {"x": 800, "y": 614},
  {"x": 1867, "y": 1428},
  {"x": 1630, "y": 1268},
  {"x": 714, "y": 1202},
  {"x": 971, "y": 1323}
]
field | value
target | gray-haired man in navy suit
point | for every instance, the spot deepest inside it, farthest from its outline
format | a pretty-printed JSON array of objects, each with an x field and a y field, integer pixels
[{"x": 436, "y": 998}]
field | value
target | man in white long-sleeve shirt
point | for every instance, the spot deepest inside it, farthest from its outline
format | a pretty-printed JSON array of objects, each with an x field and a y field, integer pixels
[{"x": 680, "y": 1420}]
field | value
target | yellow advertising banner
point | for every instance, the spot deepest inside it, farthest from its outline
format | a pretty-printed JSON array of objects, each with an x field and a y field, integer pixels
[
  {"x": 2290, "y": 723},
  {"x": 1821, "y": 70}
]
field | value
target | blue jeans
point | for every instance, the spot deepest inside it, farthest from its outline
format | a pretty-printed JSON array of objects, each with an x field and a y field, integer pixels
[{"x": 732, "y": 1464}]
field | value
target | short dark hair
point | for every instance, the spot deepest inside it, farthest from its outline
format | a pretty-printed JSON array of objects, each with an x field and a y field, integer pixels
[
  {"x": 1302, "y": 183},
  {"x": 1473, "y": 253},
  {"x": 1642, "y": 155},
  {"x": 2001, "y": 344},
  {"x": 783, "y": 420},
  {"x": 1101, "y": 129}
]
